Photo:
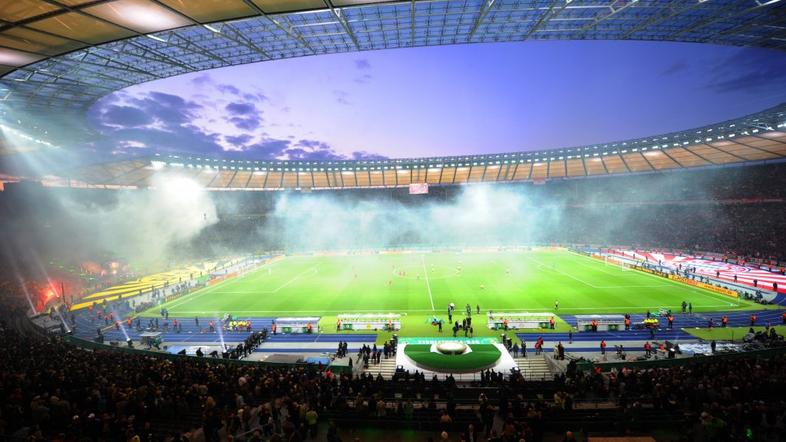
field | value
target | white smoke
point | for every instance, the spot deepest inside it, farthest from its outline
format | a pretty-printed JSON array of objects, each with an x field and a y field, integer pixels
[
  {"x": 146, "y": 227},
  {"x": 480, "y": 215}
]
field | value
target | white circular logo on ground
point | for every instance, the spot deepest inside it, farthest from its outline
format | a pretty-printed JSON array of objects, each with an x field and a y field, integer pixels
[{"x": 451, "y": 348}]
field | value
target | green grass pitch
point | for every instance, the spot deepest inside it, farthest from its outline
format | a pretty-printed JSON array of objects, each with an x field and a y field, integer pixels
[{"x": 421, "y": 285}]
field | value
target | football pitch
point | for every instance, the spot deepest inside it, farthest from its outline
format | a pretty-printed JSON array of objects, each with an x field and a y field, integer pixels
[{"x": 419, "y": 286}]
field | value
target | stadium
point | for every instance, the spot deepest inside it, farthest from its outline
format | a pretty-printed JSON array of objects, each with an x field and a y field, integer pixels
[{"x": 186, "y": 260}]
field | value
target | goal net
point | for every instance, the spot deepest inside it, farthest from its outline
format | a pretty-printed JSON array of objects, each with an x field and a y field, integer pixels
[{"x": 612, "y": 261}]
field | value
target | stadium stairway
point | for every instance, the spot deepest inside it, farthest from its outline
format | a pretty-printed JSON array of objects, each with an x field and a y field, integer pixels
[
  {"x": 534, "y": 368},
  {"x": 386, "y": 367},
  {"x": 780, "y": 299}
]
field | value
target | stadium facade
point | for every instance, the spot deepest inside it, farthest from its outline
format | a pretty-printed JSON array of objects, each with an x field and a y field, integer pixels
[{"x": 58, "y": 57}]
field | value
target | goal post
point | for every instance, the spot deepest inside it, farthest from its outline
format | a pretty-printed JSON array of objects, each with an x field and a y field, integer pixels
[{"x": 611, "y": 261}]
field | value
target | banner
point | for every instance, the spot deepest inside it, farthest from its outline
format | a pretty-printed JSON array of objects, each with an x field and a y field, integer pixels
[
  {"x": 650, "y": 271},
  {"x": 418, "y": 188},
  {"x": 710, "y": 287}
]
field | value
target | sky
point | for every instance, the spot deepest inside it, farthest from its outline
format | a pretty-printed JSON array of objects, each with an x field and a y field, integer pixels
[{"x": 438, "y": 101}]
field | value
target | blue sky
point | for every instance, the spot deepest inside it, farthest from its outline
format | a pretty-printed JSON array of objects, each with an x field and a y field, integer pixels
[{"x": 450, "y": 100}]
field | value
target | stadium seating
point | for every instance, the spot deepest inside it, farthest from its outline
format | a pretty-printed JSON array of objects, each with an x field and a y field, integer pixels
[{"x": 111, "y": 394}]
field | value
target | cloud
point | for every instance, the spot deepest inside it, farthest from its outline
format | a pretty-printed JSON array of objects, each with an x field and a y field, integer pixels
[
  {"x": 269, "y": 148},
  {"x": 245, "y": 115},
  {"x": 316, "y": 150},
  {"x": 363, "y": 79},
  {"x": 297, "y": 153},
  {"x": 171, "y": 123},
  {"x": 153, "y": 112},
  {"x": 302, "y": 149},
  {"x": 312, "y": 150},
  {"x": 363, "y": 155},
  {"x": 238, "y": 140},
  {"x": 228, "y": 89},
  {"x": 125, "y": 116},
  {"x": 313, "y": 144},
  {"x": 749, "y": 70},
  {"x": 675, "y": 68},
  {"x": 241, "y": 108},
  {"x": 202, "y": 79},
  {"x": 362, "y": 64},
  {"x": 174, "y": 139},
  {"x": 166, "y": 108},
  {"x": 133, "y": 144},
  {"x": 154, "y": 119},
  {"x": 246, "y": 122},
  {"x": 258, "y": 97},
  {"x": 341, "y": 97}
]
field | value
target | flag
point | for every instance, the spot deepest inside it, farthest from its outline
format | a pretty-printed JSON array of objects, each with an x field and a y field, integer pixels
[{"x": 418, "y": 188}]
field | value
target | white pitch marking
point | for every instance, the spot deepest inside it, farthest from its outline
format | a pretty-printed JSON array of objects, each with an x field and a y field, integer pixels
[
  {"x": 428, "y": 285},
  {"x": 247, "y": 292},
  {"x": 206, "y": 290}
]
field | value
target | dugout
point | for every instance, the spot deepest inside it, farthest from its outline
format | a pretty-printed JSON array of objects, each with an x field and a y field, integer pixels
[
  {"x": 297, "y": 325},
  {"x": 605, "y": 322},
  {"x": 370, "y": 321},
  {"x": 519, "y": 320}
]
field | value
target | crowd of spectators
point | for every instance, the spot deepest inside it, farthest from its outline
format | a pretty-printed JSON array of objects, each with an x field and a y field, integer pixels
[
  {"x": 724, "y": 400},
  {"x": 51, "y": 390}
]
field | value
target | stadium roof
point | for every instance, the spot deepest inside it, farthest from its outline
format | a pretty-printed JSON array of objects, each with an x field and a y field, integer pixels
[
  {"x": 756, "y": 138},
  {"x": 57, "y": 57},
  {"x": 65, "y": 54}
]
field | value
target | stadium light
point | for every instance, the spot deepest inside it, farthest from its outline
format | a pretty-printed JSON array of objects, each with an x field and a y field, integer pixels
[{"x": 154, "y": 37}]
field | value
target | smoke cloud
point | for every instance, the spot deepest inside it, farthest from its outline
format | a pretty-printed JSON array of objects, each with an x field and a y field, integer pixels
[
  {"x": 149, "y": 229},
  {"x": 146, "y": 227},
  {"x": 478, "y": 215},
  {"x": 178, "y": 221}
]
